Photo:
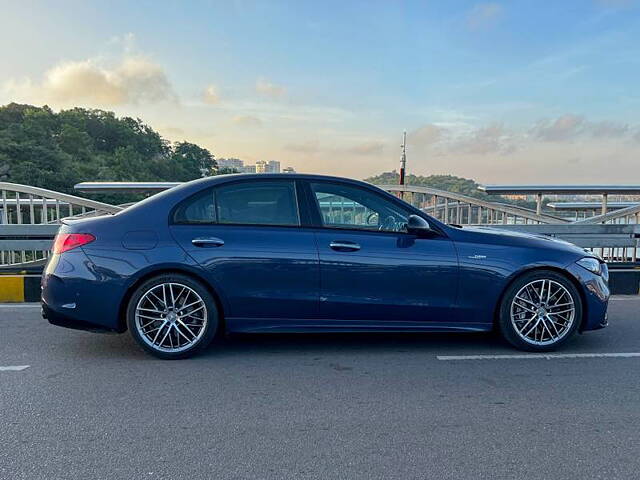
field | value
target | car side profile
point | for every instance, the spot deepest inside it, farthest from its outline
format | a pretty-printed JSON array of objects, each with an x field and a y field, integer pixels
[{"x": 310, "y": 253}]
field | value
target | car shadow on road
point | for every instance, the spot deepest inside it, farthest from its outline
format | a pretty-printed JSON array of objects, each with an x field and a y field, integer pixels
[
  {"x": 122, "y": 346},
  {"x": 354, "y": 342},
  {"x": 287, "y": 345}
]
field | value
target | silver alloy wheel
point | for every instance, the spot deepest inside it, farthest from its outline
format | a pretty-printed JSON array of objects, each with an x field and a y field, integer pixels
[
  {"x": 171, "y": 317},
  {"x": 542, "y": 312}
]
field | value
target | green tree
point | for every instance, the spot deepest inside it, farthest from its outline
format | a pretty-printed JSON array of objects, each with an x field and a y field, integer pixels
[
  {"x": 57, "y": 150},
  {"x": 449, "y": 183}
]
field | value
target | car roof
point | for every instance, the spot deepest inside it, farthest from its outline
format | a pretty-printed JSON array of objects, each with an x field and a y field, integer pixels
[
  {"x": 287, "y": 176},
  {"x": 177, "y": 193}
]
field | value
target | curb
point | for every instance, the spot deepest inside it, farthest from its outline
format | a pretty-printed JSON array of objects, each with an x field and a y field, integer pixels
[
  {"x": 624, "y": 282},
  {"x": 19, "y": 288}
]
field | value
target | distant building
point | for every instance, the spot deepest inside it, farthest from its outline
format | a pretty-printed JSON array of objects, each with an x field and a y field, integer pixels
[
  {"x": 234, "y": 163},
  {"x": 261, "y": 166},
  {"x": 273, "y": 166},
  {"x": 516, "y": 197},
  {"x": 288, "y": 170}
]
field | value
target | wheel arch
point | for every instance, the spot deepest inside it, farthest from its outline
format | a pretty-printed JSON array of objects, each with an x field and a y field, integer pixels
[
  {"x": 122, "y": 320},
  {"x": 537, "y": 268}
]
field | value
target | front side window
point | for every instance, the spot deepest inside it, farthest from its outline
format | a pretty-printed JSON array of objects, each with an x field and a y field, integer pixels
[
  {"x": 257, "y": 203},
  {"x": 343, "y": 206}
]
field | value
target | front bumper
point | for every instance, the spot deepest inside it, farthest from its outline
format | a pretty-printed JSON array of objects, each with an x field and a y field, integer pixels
[{"x": 596, "y": 293}]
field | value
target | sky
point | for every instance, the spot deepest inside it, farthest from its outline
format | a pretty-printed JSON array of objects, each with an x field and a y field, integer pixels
[{"x": 501, "y": 92}]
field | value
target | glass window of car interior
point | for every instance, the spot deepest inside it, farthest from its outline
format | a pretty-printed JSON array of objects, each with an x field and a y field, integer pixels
[
  {"x": 244, "y": 203},
  {"x": 343, "y": 206}
]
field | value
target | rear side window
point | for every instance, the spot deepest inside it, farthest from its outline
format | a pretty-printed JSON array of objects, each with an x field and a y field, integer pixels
[
  {"x": 257, "y": 203},
  {"x": 246, "y": 203},
  {"x": 199, "y": 209}
]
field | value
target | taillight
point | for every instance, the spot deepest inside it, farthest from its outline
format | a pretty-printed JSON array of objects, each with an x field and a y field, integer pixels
[{"x": 68, "y": 241}]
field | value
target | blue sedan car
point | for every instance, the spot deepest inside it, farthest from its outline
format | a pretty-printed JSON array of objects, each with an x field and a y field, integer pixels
[{"x": 309, "y": 253}]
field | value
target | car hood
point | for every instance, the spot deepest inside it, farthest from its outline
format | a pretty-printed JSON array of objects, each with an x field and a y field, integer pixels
[{"x": 511, "y": 237}]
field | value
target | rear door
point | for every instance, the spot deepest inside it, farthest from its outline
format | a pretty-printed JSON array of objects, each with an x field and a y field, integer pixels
[{"x": 247, "y": 236}]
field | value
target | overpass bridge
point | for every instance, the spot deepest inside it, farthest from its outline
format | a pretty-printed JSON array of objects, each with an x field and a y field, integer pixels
[{"x": 29, "y": 216}]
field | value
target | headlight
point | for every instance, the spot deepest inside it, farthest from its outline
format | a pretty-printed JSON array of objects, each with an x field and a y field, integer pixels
[{"x": 591, "y": 264}]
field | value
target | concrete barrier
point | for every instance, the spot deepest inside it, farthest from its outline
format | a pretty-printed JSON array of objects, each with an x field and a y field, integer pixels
[
  {"x": 19, "y": 288},
  {"x": 624, "y": 280}
]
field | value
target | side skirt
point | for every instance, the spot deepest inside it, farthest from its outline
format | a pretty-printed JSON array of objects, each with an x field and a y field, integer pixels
[{"x": 280, "y": 325}]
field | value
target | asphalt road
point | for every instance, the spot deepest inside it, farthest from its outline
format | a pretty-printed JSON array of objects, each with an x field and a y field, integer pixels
[{"x": 94, "y": 406}]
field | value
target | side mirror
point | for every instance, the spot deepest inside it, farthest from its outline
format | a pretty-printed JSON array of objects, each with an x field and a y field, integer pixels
[{"x": 418, "y": 225}]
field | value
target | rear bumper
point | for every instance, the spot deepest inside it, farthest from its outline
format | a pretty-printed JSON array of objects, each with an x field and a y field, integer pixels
[
  {"x": 75, "y": 295},
  {"x": 60, "y": 319}
]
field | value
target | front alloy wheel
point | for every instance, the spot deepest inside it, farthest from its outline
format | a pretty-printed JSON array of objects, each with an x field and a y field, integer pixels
[
  {"x": 172, "y": 316},
  {"x": 540, "y": 311}
]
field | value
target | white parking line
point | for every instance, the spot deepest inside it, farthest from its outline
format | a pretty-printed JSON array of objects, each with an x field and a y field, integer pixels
[
  {"x": 14, "y": 368},
  {"x": 544, "y": 356},
  {"x": 20, "y": 305}
]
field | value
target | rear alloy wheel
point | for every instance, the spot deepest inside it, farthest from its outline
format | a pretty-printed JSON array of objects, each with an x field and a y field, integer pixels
[
  {"x": 540, "y": 311},
  {"x": 172, "y": 316}
]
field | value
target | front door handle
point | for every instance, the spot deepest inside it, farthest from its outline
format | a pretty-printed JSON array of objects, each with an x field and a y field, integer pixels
[
  {"x": 208, "y": 242},
  {"x": 341, "y": 246}
]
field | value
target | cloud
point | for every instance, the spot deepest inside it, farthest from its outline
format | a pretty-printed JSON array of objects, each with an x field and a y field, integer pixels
[
  {"x": 427, "y": 135},
  {"x": 563, "y": 128},
  {"x": 134, "y": 80},
  {"x": 268, "y": 89},
  {"x": 247, "y": 121},
  {"x": 367, "y": 148},
  {"x": 464, "y": 138},
  {"x": 608, "y": 129},
  {"x": 211, "y": 95},
  {"x": 491, "y": 139},
  {"x": 306, "y": 147},
  {"x": 568, "y": 127},
  {"x": 484, "y": 15}
]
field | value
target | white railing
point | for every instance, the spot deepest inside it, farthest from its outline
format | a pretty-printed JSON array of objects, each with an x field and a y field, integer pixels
[
  {"x": 29, "y": 216},
  {"x": 451, "y": 207},
  {"x": 22, "y": 206}
]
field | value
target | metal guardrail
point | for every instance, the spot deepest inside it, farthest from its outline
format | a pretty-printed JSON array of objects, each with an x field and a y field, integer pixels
[
  {"x": 624, "y": 215},
  {"x": 128, "y": 187},
  {"x": 27, "y": 238},
  {"x": 451, "y": 207},
  {"x": 613, "y": 236},
  {"x": 540, "y": 190},
  {"x": 30, "y": 216}
]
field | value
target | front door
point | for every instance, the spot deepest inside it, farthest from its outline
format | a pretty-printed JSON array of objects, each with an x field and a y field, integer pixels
[
  {"x": 371, "y": 268},
  {"x": 247, "y": 237}
]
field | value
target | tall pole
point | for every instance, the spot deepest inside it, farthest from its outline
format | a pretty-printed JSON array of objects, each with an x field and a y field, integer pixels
[{"x": 403, "y": 160}]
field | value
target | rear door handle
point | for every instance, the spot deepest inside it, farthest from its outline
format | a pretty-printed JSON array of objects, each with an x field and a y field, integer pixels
[
  {"x": 344, "y": 246},
  {"x": 208, "y": 242}
]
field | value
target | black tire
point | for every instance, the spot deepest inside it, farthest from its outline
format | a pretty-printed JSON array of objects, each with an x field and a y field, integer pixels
[
  {"x": 509, "y": 331},
  {"x": 210, "y": 313}
]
